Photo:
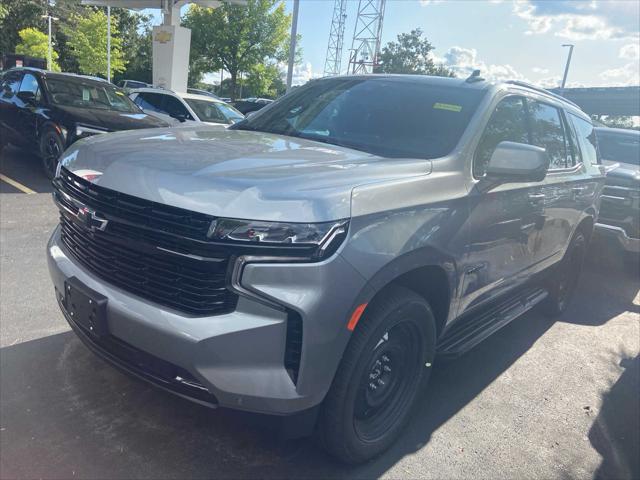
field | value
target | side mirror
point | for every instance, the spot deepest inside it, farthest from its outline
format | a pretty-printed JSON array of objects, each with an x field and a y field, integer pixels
[
  {"x": 517, "y": 162},
  {"x": 27, "y": 97}
]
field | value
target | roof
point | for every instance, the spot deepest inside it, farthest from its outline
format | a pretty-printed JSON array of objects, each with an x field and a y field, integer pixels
[
  {"x": 623, "y": 131},
  {"x": 50, "y": 73},
  {"x": 164, "y": 91}
]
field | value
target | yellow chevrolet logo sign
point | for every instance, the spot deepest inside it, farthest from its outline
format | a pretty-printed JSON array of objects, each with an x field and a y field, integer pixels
[{"x": 163, "y": 36}]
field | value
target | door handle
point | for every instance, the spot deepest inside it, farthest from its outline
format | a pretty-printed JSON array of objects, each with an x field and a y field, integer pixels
[
  {"x": 578, "y": 189},
  {"x": 536, "y": 197}
]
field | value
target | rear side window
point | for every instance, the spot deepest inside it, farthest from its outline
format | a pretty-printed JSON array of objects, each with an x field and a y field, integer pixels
[
  {"x": 507, "y": 124},
  {"x": 586, "y": 139},
  {"x": 574, "y": 157},
  {"x": 547, "y": 132},
  {"x": 150, "y": 101}
]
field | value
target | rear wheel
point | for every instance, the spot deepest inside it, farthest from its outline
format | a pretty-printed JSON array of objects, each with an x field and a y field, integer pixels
[
  {"x": 51, "y": 147},
  {"x": 380, "y": 377},
  {"x": 565, "y": 280}
]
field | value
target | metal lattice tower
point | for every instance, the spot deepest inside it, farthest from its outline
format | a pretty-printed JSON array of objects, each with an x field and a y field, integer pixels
[
  {"x": 336, "y": 38},
  {"x": 365, "y": 46}
]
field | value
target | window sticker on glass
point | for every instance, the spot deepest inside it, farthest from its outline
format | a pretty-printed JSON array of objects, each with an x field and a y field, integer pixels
[
  {"x": 447, "y": 106},
  {"x": 86, "y": 95}
]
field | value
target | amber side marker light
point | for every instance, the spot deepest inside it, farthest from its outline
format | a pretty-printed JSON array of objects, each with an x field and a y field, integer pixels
[{"x": 355, "y": 317}]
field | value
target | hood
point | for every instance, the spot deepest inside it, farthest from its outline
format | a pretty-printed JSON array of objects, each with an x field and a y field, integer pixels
[
  {"x": 624, "y": 174},
  {"x": 110, "y": 119},
  {"x": 234, "y": 173}
]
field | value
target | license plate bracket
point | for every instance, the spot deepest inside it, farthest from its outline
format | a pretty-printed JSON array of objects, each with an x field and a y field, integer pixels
[{"x": 86, "y": 307}]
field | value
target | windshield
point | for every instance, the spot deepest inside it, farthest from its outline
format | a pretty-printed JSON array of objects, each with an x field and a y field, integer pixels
[
  {"x": 392, "y": 117},
  {"x": 216, "y": 112},
  {"x": 74, "y": 92},
  {"x": 619, "y": 147}
]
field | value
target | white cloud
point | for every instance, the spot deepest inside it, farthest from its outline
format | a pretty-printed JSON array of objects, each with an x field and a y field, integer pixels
[
  {"x": 580, "y": 20},
  {"x": 542, "y": 71},
  {"x": 301, "y": 73},
  {"x": 424, "y": 3},
  {"x": 628, "y": 74},
  {"x": 631, "y": 51},
  {"x": 463, "y": 61}
]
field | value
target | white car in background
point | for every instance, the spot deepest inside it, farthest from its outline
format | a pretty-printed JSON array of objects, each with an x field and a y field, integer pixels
[{"x": 177, "y": 107}]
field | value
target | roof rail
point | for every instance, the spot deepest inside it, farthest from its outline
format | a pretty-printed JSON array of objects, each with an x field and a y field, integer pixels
[{"x": 541, "y": 90}]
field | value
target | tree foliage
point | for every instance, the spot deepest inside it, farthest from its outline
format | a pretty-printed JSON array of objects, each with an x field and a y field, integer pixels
[
  {"x": 18, "y": 15},
  {"x": 135, "y": 31},
  {"x": 235, "y": 37},
  {"x": 87, "y": 39},
  {"x": 410, "y": 54},
  {"x": 35, "y": 43}
]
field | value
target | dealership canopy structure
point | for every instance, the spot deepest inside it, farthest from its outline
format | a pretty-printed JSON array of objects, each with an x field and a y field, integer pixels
[{"x": 171, "y": 42}]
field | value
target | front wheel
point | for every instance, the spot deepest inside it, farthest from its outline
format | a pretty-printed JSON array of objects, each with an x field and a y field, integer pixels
[
  {"x": 562, "y": 285},
  {"x": 51, "y": 147},
  {"x": 380, "y": 377}
]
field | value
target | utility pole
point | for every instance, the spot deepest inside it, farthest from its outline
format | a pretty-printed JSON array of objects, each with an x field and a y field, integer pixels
[
  {"x": 49, "y": 18},
  {"x": 108, "y": 43},
  {"x": 566, "y": 68},
  {"x": 292, "y": 45}
]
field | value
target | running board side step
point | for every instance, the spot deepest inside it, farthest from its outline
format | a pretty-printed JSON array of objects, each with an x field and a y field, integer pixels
[{"x": 466, "y": 333}]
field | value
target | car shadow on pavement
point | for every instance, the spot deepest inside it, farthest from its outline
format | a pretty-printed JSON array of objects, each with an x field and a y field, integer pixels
[
  {"x": 65, "y": 413},
  {"x": 615, "y": 433}
]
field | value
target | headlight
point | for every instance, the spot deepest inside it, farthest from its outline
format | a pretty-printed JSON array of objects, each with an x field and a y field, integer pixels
[
  {"x": 83, "y": 130},
  {"x": 316, "y": 240}
]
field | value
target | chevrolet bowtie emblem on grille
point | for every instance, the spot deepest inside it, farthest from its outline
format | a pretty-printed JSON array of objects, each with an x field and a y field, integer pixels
[{"x": 89, "y": 219}]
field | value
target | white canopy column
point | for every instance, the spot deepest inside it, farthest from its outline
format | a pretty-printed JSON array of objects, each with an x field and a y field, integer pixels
[{"x": 171, "y": 42}]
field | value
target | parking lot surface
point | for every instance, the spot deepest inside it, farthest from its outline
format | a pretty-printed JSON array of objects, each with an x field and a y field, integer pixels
[{"x": 540, "y": 399}]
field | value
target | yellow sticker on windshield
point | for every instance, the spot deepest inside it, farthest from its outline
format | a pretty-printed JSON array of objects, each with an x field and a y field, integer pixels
[{"x": 447, "y": 106}]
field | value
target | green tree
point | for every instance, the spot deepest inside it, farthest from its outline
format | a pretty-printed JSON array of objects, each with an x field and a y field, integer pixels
[
  {"x": 410, "y": 54},
  {"x": 87, "y": 39},
  {"x": 236, "y": 37},
  {"x": 135, "y": 31},
  {"x": 263, "y": 81},
  {"x": 35, "y": 43},
  {"x": 18, "y": 15}
]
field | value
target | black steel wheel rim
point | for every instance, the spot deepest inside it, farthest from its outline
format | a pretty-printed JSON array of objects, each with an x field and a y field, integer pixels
[
  {"x": 569, "y": 276},
  {"x": 389, "y": 381},
  {"x": 51, "y": 152}
]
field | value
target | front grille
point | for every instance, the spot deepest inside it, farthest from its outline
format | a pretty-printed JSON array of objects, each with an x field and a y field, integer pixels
[{"x": 154, "y": 251}]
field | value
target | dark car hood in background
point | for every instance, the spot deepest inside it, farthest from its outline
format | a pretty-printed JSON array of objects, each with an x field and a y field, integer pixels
[
  {"x": 624, "y": 174},
  {"x": 109, "y": 119}
]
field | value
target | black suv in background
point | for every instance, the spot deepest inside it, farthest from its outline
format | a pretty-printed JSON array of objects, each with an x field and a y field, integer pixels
[
  {"x": 46, "y": 111},
  {"x": 620, "y": 208}
]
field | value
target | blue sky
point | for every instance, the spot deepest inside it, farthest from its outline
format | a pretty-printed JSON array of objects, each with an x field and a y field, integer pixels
[{"x": 515, "y": 39}]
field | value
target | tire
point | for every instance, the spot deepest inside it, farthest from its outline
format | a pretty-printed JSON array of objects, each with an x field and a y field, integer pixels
[
  {"x": 379, "y": 378},
  {"x": 51, "y": 147},
  {"x": 564, "y": 281}
]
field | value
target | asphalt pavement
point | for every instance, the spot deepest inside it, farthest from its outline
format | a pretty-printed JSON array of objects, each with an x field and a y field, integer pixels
[{"x": 540, "y": 399}]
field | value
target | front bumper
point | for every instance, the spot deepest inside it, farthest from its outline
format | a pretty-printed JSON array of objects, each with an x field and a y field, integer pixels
[
  {"x": 237, "y": 357},
  {"x": 619, "y": 235}
]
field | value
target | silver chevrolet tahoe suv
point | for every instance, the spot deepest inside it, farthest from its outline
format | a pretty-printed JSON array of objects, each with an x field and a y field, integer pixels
[{"x": 315, "y": 260}]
